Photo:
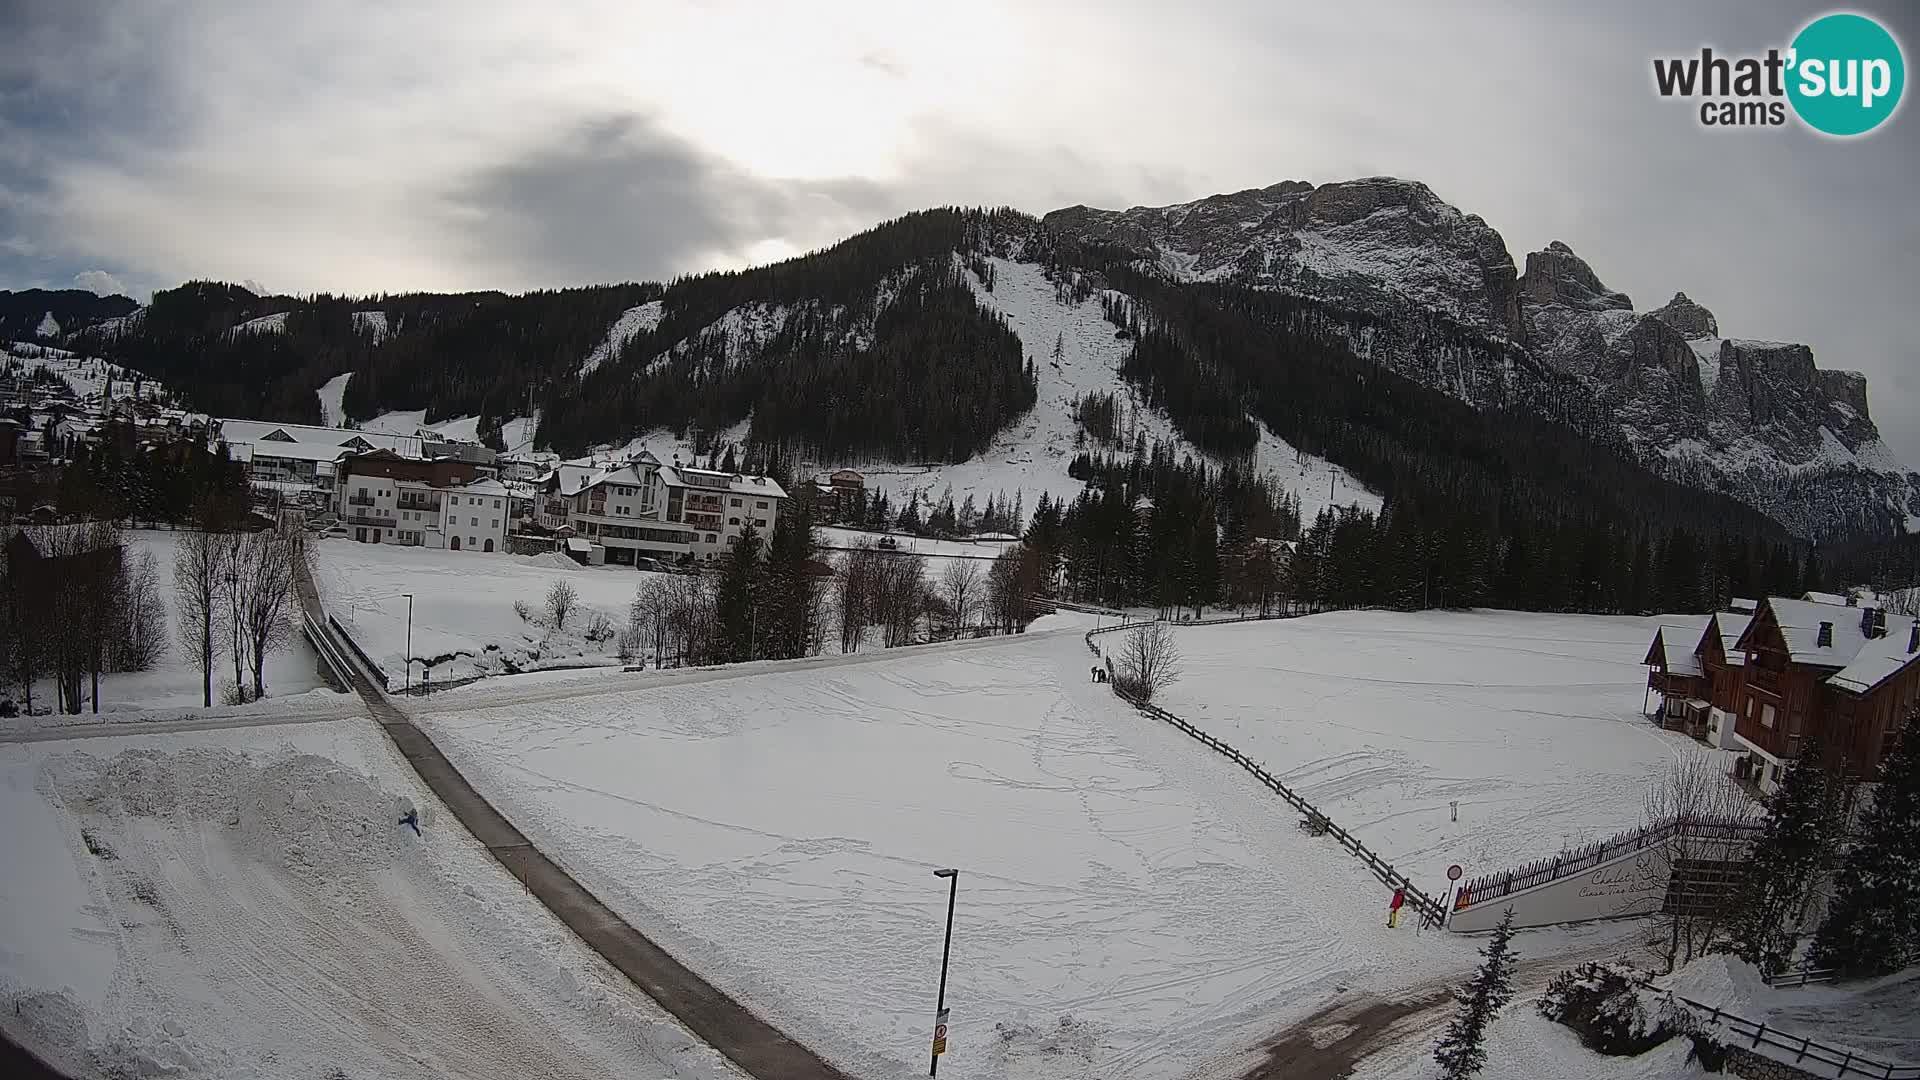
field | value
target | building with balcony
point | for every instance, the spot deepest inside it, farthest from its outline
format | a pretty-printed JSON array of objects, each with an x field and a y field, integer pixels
[
  {"x": 385, "y": 498},
  {"x": 299, "y": 461},
  {"x": 641, "y": 509}
]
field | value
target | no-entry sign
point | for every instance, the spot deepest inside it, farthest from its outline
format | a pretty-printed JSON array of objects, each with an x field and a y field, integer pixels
[{"x": 1453, "y": 872}]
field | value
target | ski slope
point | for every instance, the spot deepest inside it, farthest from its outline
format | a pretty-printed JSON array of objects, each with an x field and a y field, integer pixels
[
  {"x": 1129, "y": 906},
  {"x": 1032, "y": 454},
  {"x": 244, "y": 904},
  {"x": 1383, "y": 719},
  {"x": 332, "y": 393}
]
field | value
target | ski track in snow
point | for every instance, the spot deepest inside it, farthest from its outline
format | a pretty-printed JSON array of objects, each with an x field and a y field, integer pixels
[
  {"x": 1531, "y": 722},
  {"x": 1031, "y": 455},
  {"x": 243, "y": 904},
  {"x": 332, "y": 393},
  {"x": 1129, "y": 904}
]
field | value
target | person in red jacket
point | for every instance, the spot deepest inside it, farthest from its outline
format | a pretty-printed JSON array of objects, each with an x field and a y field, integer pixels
[{"x": 1393, "y": 909}]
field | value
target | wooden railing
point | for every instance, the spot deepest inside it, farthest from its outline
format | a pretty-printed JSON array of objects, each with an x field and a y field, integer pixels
[
  {"x": 1581, "y": 859},
  {"x": 1805, "y": 1051},
  {"x": 1426, "y": 906}
]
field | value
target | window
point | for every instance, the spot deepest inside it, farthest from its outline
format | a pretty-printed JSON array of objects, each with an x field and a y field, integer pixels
[
  {"x": 363, "y": 491},
  {"x": 474, "y": 522},
  {"x": 711, "y": 538},
  {"x": 761, "y": 505},
  {"x": 760, "y": 522},
  {"x": 496, "y": 504},
  {"x": 733, "y": 521},
  {"x": 1766, "y": 716},
  {"x": 735, "y": 502},
  {"x": 469, "y": 541},
  {"x": 496, "y": 523}
]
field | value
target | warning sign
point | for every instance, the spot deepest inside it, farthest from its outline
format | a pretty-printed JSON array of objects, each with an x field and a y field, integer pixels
[{"x": 940, "y": 1034}]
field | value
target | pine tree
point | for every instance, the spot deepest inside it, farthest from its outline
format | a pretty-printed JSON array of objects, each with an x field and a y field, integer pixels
[
  {"x": 735, "y": 599},
  {"x": 1803, "y": 821},
  {"x": 1873, "y": 924},
  {"x": 1462, "y": 1050}
]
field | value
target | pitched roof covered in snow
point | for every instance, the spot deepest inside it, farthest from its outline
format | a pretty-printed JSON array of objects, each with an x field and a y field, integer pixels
[
  {"x": 277, "y": 435},
  {"x": 762, "y": 487},
  {"x": 1672, "y": 649},
  {"x": 1727, "y": 627},
  {"x": 1836, "y": 636}
]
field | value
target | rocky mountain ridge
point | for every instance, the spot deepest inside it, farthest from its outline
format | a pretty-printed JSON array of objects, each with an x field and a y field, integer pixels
[{"x": 1754, "y": 419}]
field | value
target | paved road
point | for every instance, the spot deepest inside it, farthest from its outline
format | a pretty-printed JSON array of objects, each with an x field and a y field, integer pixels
[{"x": 749, "y": 1042}]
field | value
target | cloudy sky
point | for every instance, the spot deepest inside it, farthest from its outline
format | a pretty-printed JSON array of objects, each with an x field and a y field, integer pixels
[{"x": 359, "y": 146}]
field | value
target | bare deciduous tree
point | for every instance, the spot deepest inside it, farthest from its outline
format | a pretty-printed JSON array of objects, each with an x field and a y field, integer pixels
[
  {"x": 1700, "y": 799},
  {"x": 561, "y": 601},
  {"x": 1014, "y": 577},
  {"x": 265, "y": 574},
  {"x": 143, "y": 618},
  {"x": 961, "y": 583},
  {"x": 1149, "y": 661},
  {"x": 859, "y": 570},
  {"x": 900, "y": 598},
  {"x": 74, "y": 612},
  {"x": 196, "y": 583},
  {"x": 676, "y": 615}
]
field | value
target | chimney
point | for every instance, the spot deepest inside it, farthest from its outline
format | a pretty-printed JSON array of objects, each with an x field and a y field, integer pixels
[
  {"x": 1873, "y": 623},
  {"x": 1825, "y": 638}
]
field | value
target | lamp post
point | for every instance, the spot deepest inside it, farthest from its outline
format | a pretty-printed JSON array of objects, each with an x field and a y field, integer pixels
[
  {"x": 946, "y": 950},
  {"x": 409, "y": 680}
]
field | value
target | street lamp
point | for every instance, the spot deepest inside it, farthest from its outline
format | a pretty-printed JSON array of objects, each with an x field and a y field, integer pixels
[
  {"x": 940, "y": 1008},
  {"x": 409, "y": 681}
]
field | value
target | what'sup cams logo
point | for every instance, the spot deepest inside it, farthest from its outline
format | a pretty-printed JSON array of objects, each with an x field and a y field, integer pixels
[{"x": 1842, "y": 75}]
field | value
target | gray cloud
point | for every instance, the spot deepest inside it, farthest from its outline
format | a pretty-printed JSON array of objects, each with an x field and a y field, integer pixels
[
  {"x": 99, "y": 282},
  {"x": 616, "y": 198}
]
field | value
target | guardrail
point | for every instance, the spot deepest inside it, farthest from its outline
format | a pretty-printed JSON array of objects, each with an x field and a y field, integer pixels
[
  {"x": 1787, "y": 980},
  {"x": 1581, "y": 859},
  {"x": 1428, "y": 908},
  {"x": 375, "y": 669},
  {"x": 1848, "y": 1062},
  {"x": 327, "y": 648}
]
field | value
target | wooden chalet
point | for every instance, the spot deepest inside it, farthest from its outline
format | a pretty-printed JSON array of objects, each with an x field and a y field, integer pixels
[{"x": 1847, "y": 672}]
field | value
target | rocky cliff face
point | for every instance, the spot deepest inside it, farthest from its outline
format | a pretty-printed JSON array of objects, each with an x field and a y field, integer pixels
[{"x": 1755, "y": 419}]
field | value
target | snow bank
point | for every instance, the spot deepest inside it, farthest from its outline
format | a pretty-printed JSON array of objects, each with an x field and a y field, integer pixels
[{"x": 244, "y": 904}]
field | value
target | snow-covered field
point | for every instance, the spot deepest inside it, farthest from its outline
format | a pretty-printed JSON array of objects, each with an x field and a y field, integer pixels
[
  {"x": 1531, "y": 723},
  {"x": 175, "y": 683},
  {"x": 464, "y": 623},
  {"x": 1129, "y": 905},
  {"x": 243, "y": 904}
]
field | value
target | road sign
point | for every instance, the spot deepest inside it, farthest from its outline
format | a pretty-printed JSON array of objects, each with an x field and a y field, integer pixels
[
  {"x": 1453, "y": 872},
  {"x": 940, "y": 1034}
]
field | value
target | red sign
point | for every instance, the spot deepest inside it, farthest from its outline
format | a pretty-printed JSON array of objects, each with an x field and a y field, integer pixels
[
  {"x": 940, "y": 1034},
  {"x": 1453, "y": 872}
]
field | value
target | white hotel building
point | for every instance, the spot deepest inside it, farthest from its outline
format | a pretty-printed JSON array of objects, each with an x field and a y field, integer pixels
[{"x": 645, "y": 510}]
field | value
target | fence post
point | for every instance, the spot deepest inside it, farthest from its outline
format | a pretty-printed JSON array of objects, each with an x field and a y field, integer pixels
[{"x": 1758, "y": 1032}]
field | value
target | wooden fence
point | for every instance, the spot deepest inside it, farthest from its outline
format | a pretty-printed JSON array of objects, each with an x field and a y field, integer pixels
[
  {"x": 1805, "y": 1051},
  {"x": 1426, "y": 906},
  {"x": 1581, "y": 859}
]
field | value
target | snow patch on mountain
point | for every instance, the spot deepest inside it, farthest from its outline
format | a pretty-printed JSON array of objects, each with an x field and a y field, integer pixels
[
  {"x": 1707, "y": 351},
  {"x": 87, "y": 376},
  {"x": 332, "y": 393},
  {"x": 741, "y": 333},
  {"x": 275, "y": 323},
  {"x": 49, "y": 326},
  {"x": 371, "y": 322},
  {"x": 642, "y": 319},
  {"x": 1032, "y": 454}
]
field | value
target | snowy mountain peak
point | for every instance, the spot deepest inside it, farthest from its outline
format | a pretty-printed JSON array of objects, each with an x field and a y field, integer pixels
[
  {"x": 1690, "y": 319},
  {"x": 1758, "y": 420},
  {"x": 1558, "y": 276},
  {"x": 1379, "y": 243}
]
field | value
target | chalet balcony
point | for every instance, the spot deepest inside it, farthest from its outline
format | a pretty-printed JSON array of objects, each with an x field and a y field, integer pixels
[
  {"x": 431, "y": 506},
  {"x": 359, "y": 500},
  {"x": 361, "y": 517},
  {"x": 1764, "y": 679}
]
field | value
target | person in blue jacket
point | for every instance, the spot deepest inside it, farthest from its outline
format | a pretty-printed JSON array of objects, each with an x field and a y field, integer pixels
[{"x": 412, "y": 820}]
